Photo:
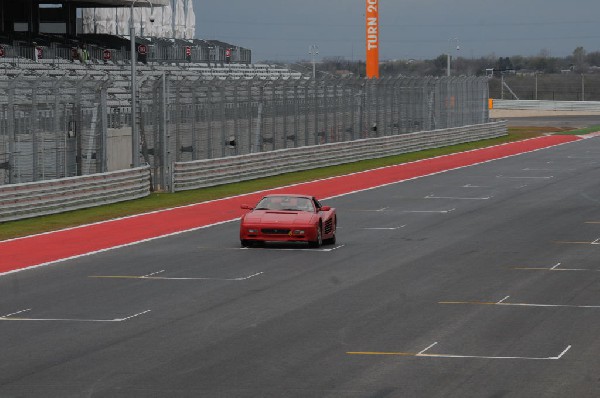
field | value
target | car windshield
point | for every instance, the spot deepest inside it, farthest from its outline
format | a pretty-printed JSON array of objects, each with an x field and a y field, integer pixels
[{"x": 285, "y": 203}]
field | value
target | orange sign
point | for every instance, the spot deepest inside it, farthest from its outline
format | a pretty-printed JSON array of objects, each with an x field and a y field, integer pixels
[{"x": 372, "y": 39}]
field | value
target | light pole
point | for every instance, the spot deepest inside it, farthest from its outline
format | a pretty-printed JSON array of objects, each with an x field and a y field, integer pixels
[
  {"x": 313, "y": 50},
  {"x": 135, "y": 138},
  {"x": 449, "y": 50}
]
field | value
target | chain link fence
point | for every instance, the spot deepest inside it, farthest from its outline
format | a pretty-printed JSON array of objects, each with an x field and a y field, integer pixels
[
  {"x": 547, "y": 87},
  {"x": 53, "y": 128}
]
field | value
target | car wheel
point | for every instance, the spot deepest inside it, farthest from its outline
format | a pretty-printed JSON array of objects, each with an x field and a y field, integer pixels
[
  {"x": 317, "y": 243},
  {"x": 331, "y": 241},
  {"x": 246, "y": 243}
]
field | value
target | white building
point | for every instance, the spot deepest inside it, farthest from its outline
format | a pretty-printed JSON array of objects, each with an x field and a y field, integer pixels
[{"x": 176, "y": 20}]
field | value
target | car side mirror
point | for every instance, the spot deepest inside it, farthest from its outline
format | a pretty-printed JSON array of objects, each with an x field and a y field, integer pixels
[
  {"x": 325, "y": 208},
  {"x": 246, "y": 207}
]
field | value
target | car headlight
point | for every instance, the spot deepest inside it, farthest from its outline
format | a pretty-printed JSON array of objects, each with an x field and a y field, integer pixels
[
  {"x": 252, "y": 231},
  {"x": 298, "y": 232}
]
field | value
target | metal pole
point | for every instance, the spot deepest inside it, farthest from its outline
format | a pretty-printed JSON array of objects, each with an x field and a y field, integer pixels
[
  {"x": 135, "y": 139},
  {"x": 313, "y": 50},
  {"x": 449, "y": 50}
]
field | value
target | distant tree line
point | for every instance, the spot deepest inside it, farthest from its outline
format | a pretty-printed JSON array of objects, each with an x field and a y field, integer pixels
[
  {"x": 572, "y": 78},
  {"x": 580, "y": 61}
]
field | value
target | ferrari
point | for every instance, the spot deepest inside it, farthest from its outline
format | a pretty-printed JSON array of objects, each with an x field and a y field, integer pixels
[{"x": 288, "y": 218}]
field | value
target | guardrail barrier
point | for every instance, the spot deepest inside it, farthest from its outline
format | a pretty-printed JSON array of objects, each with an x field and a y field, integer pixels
[
  {"x": 210, "y": 172},
  {"x": 19, "y": 201}
]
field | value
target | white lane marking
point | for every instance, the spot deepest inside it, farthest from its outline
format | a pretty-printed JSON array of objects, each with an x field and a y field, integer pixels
[
  {"x": 289, "y": 249},
  {"x": 474, "y": 186},
  {"x": 533, "y": 169},
  {"x": 596, "y": 242},
  {"x": 525, "y": 177},
  {"x": 429, "y": 211},
  {"x": 455, "y": 197},
  {"x": 152, "y": 274},
  {"x": 373, "y": 210},
  {"x": 502, "y": 299},
  {"x": 422, "y": 352},
  {"x": 15, "y": 313},
  {"x": 72, "y": 319},
  {"x": 496, "y": 357},
  {"x": 555, "y": 268},
  {"x": 166, "y": 278},
  {"x": 385, "y": 228},
  {"x": 271, "y": 190},
  {"x": 562, "y": 353},
  {"x": 520, "y": 304},
  {"x": 132, "y": 316}
]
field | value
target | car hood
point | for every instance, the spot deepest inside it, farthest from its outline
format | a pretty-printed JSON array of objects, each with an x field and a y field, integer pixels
[{"x": 266, "y": 217}]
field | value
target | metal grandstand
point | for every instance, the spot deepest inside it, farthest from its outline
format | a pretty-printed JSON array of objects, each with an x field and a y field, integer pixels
[{"x": 26, "y": 34}]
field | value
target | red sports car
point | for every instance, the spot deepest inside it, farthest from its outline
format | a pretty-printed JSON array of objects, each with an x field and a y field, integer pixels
[{"x": 288, "y": 218}]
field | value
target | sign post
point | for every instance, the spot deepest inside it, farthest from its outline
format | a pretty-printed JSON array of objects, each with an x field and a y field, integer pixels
[{"x": 372, "y": 31}]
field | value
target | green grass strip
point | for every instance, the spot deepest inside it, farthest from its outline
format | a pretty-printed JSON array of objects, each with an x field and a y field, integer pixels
[
  {"x": 157, "y": 201},
  {"x": 583, "y": 131}
]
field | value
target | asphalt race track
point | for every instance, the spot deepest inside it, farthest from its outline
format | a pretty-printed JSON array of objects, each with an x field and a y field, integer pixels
[{"x": 478, "y": 282}]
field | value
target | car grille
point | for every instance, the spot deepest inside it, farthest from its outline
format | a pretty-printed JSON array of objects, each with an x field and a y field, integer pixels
[{"x": 273, "y": 231}]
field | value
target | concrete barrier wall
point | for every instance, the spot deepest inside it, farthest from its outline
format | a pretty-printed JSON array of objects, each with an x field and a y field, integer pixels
[
  {"x": 547, "y": 105},
  {"x": 210, "y": 172},
  {"x": 502, "y": 109}
]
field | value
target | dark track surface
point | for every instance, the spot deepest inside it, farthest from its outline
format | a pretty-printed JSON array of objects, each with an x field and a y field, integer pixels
[
  {"x": 272, "y": 322},
  {"x": 574, "y": 122}
]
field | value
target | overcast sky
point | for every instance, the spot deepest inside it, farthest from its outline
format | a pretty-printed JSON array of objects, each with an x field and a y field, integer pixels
[{"x": 419, "y": 29}]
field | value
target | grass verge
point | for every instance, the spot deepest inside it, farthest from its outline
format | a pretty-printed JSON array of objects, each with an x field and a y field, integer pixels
[
  {"x": 157, "y": 201},
  {"x": 587, "y": 130}
]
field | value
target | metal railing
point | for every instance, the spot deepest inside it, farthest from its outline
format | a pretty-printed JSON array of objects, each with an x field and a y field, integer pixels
[
  {"x": 157, "y": 51},
  {"x": 19, "y": 201},
  {"x": 204, "y": 173}
]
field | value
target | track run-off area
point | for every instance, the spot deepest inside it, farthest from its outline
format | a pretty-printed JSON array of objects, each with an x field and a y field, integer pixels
[{"x": 467, "y": 275}]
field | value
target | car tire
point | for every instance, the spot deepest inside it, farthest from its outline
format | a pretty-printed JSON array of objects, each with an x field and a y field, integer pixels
[
  {"x": 245, "y": 243},
  {"x": 317, "y": 243},
  {"x": 330, "y": 241}
]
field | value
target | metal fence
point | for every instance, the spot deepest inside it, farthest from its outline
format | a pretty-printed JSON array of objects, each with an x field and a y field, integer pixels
[
  {"x": 53, "y": 128},
  {"x": 219, "y": 118}
]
